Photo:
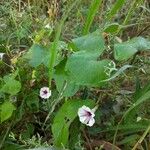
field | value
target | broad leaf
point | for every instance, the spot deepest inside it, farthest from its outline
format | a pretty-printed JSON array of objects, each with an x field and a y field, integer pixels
[
  {"x": 38, "y": 55},
  {"x": 125, "y": 50},
  {"x": 93, "y": 42},
  {"x": 6, "y": 110},
  {"x": 61, "y": 78},
  {"x": 11, "y": 86},
  {"x": 85, "y": 69},
  {"x": 112, "y": 28},
  {"x": 64, "y": 117},
  {"x": 74, "y": 133}
]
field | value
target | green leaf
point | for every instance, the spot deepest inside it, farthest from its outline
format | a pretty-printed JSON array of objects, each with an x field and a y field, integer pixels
[
  {"x": 6, "y": 110},
  {"x": 11, "y": 86},
  {"x": 61, "y": 78},
  {"x": 74, "y": 133},
  {"x": 85, "y": 69},
  {"x": 125, "y": 50},
  {"x": 64, "y": 117},
  {"x": 112, "y": 28},
  {"x": 82, "y": 67},
  {"x": 93, "y": 42},
  {"x": 38, "y": 55}
]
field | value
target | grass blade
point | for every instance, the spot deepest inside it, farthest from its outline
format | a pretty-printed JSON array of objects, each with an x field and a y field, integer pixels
[
  {"x": 116, "y": 7},
  {"x": 91, "y": 14}
]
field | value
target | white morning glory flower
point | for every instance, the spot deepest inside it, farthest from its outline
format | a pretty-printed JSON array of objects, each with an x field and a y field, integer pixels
[
  {"x": 86, "y": 115},
  {"x": 45, "y": 92}
]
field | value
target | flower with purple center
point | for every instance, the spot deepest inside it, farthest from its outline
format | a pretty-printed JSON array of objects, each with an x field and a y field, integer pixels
[
  {"x": 45, "y": 92},
  {"x": 86, "y": 115}
]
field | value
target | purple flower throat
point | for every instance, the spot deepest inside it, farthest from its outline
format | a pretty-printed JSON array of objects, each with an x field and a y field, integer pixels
[
  {"x": 89, "y": 113},
  {"x": 45, "y": 92}
]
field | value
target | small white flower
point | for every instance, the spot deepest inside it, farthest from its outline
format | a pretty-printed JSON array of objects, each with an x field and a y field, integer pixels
[
  {"x": 45, "y": 92},
  {"x": 1, "y": 55},
  {"x": 86, "y": 115}
]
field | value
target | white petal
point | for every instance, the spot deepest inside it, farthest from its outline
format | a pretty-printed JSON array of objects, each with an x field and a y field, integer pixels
[
  {"x": 82, "y": 119},
  {"x": 1, "y": 55},
  {"x": 81, "y": 112},
  {"x": 91, "y": 122},
  {"x": 86, "y": 108}
]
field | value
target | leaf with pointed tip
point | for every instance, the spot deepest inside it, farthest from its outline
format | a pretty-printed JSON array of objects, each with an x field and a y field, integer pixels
[
  {"x": 6, "y": 110},
  {"x": 92, "y": 42},
  {"x": 37, "y": 55},
  {"x": 112, "y": 28},
  {"x": 125, "y": 50},
  {"x": 85, "y": 69},
  {"x": 11, "y": 86}
]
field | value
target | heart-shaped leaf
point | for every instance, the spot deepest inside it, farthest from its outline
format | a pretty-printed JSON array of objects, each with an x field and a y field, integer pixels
[
  {"x": 93, "y": 42},
  {"x": 112, "y": 28},
  {"x": 6, "y": 110},
  {"x": 85, "y": 69},
  {"x": 61, "y": 78},
  {"x": 37, "y": 55},
  {"x": 11, "y": 86},
  {"x": 125, "y": 50}
]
